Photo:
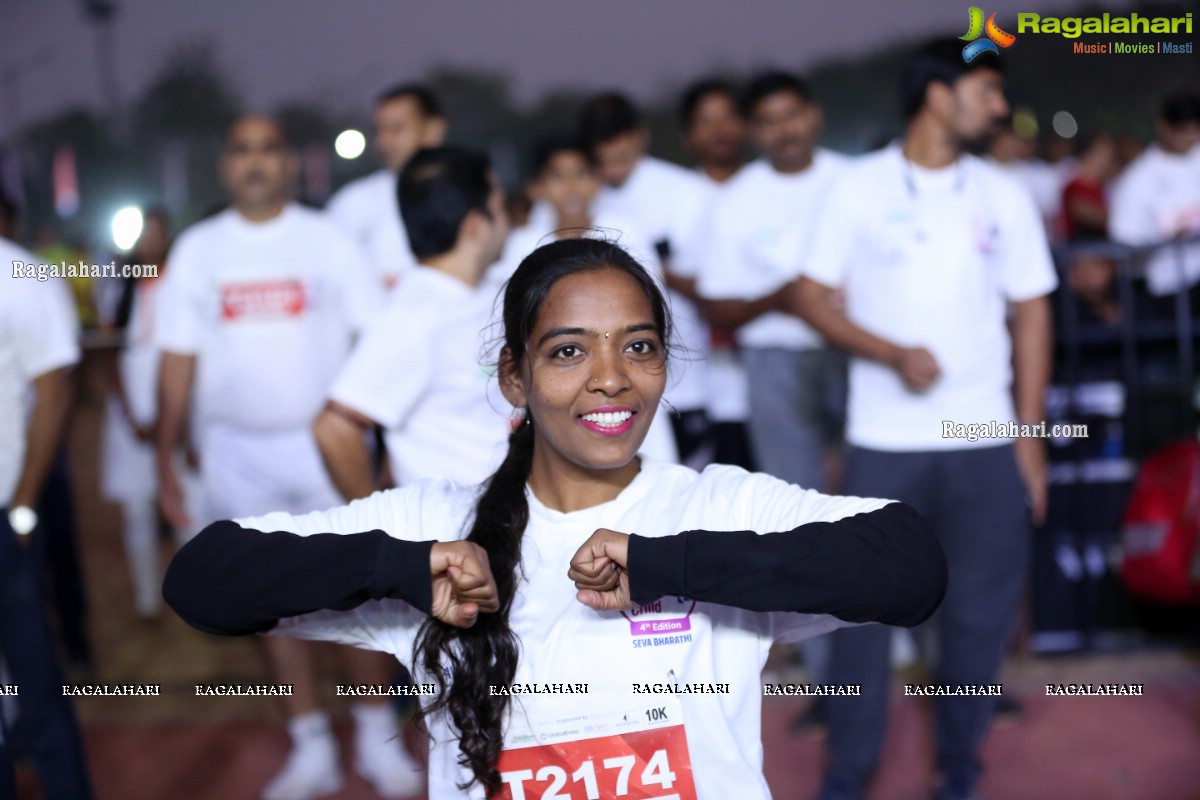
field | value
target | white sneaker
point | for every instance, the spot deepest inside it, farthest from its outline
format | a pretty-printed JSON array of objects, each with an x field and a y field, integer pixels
[
  {"x": 388, "y": 767},
  {"x": 310, "y": 771}
]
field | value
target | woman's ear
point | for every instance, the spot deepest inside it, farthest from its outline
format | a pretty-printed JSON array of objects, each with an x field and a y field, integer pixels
[{"x": 511, "y": 385}]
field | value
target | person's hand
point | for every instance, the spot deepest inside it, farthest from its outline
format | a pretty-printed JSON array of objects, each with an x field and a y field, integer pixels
[
  {"x": 1031, "y": 463},
  {"x": 462, "y": 583},
  {"x": 170, "y": 497},
  {"x": 599, "y": 571},
  {"x": 786, "y": 299},
  {"x": 191, "y": 457},
  {"x": 917, "y": 367}
]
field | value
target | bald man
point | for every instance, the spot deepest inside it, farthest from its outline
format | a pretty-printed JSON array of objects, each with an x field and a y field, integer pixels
[{"x": 257, "y": 313}]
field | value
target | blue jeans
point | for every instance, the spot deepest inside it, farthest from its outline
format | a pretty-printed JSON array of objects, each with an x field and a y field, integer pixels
[{"x": 47, "y": 730}]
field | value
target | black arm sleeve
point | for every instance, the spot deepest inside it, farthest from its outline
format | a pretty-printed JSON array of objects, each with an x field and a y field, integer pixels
[
  {"x": 880, "y": 566},
  {"x": 232, "y": 581}
]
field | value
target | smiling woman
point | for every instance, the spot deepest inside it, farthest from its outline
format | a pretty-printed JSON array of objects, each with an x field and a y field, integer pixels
[
  {"x": 586, "y": 333},
  {"x": 527, "y": 579}
]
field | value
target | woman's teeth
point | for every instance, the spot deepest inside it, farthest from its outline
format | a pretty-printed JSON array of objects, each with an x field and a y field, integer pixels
[{"x": 609, "y": 419}]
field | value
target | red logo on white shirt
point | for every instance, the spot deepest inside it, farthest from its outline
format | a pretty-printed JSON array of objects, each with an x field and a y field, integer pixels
[{"x": 285, "y": 298}]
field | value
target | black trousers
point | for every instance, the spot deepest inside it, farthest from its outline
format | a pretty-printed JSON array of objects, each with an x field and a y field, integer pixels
[{"x": 47, "y": 730}]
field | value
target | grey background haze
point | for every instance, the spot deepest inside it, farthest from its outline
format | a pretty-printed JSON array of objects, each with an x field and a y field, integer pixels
[{"x": 342, "y": 53}]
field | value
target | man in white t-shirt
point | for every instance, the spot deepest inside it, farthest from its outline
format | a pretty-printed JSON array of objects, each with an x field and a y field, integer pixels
[
  {"x": 1157, "y": 197},
  {"x": 668, "y": 203},
  {"x": 941, "y": 255},
  {"x": 420, "y": 369},
  {"x": 760, "y": 226},
  {"x": 38, "y": 331},
  {"x": 256, "y": 315},
  {"x": 714, "y": 132},
  {"x": 407, "y": 118}
]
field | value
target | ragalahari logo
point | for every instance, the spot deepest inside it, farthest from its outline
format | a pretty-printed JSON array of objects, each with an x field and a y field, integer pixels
[{"x": 976, "y": 29}]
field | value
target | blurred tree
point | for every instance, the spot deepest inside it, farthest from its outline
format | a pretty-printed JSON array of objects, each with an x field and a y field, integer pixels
[
  {"x": 306, "y": 123},
  {"x": 180, "y": 121},
  {"x": 108, "y": 174},
  {"x": 191, "y": 96},
  {"x": 482, "y": 113}
]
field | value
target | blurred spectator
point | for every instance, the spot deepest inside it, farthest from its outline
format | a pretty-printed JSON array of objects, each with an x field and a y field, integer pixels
[
  {"x": 946, "y": 273},
  {"x": 1017, "y": 156},
  {"x": 127, "y": 474},
  {"x": 1059, "y": 153},
  {"x": 1129, "y": 147},
  {"x": 256, "y": 315},
  {"x": 1084, "y": 214},
  {"x": 438, "y": 422},
  {"x": 57, "y": 540},
  {"x": 714, "y": 131},
  {"x": 565, "y": 178},
  {"x": 407, "y": 118},
  {"x": 1157, "y": 198},
  {"x": 566, "y": 181},
  {"x": 38, "y": 331},
  {"x": 759, "y": 230},
  {"x": 668, "y": 203},
  {"x": 1092, "y": 279},
  {"x": 518, "y": 205},
  {"x": 51, "y": 250}
]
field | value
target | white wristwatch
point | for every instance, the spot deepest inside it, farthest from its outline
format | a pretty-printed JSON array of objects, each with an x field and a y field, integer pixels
[{"x": 22, "y": 519}]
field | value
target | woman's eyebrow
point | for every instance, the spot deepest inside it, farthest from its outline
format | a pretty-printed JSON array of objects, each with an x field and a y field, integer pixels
[
  {"x": 554, "y": 332},
  {"x": 593, "y": 334}
]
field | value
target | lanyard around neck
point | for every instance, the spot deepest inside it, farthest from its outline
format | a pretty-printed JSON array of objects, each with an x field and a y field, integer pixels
[{"x": 910, "y": 179}]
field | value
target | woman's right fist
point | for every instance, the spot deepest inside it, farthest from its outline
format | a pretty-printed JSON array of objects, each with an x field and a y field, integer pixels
[{"x": 462, "y": 583}]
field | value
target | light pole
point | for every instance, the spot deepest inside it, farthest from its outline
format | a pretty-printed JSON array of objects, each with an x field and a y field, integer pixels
[{"x": 102, "y": 13}]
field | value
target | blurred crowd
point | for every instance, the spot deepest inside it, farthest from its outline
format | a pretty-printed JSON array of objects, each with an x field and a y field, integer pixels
[{"x": 292, "y": 358}]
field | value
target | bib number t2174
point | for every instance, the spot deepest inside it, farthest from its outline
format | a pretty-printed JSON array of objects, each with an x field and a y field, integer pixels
[{"x": 643, "y": 765}]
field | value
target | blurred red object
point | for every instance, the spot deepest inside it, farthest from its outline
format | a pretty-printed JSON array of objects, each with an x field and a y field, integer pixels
[{"x": 1160, "y": 558}]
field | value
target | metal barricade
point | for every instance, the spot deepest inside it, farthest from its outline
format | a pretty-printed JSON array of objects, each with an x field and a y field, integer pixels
[{"x": 1134, "y": 383}]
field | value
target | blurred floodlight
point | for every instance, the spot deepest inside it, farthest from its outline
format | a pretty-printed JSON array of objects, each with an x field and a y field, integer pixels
[
  {"x": 350, "y": 144},
  {"x": 1065, "y": 125},
  {"x": 1025, "y": 123},
  {"x": 126, "y": 227}
]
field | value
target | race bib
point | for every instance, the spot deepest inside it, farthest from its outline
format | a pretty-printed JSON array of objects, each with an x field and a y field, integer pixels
[{"x": 634, "y": 749}]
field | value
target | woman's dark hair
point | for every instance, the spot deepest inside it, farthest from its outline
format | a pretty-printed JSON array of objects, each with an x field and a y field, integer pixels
[{"x": 465, "y": 662}]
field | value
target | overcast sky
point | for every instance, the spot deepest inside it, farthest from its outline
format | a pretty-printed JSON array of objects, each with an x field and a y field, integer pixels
[{"x": 346, "y": 50}]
